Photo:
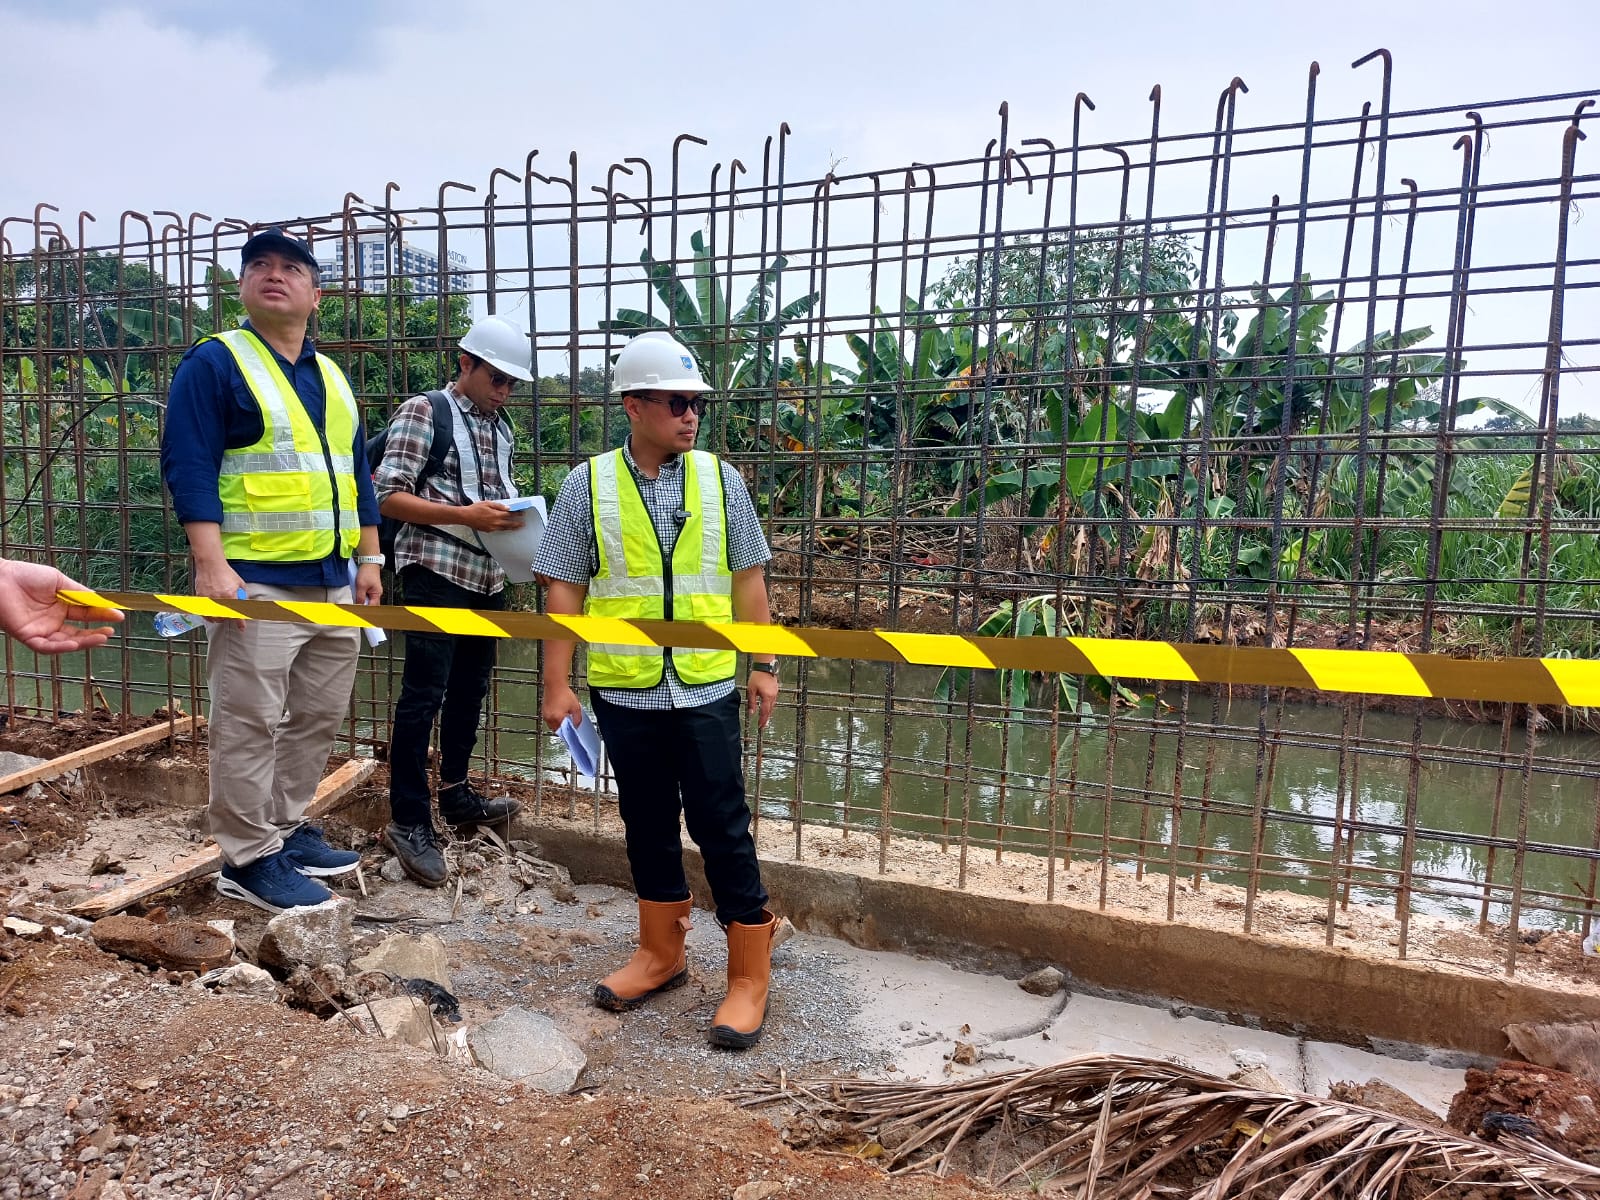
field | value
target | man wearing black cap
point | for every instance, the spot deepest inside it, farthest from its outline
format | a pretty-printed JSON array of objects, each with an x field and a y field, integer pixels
[{"x": 260, "y": 450}]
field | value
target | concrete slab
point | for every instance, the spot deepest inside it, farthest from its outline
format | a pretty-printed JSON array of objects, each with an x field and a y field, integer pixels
[
  {"x": 837, "y": 1008},
  {"x": 1428, "y": 1083},
  {"x": 918, "y": 1011},
  {"x": 1276, "y": 978}
]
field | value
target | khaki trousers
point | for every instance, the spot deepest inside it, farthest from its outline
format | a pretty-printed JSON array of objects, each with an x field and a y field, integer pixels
[{"x": 279, "y": 692}]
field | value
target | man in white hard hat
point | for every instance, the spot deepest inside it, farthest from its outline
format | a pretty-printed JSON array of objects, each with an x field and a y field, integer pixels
[
  {"x": 658, "y": 529},
  {"x": 440, "y": 563}
]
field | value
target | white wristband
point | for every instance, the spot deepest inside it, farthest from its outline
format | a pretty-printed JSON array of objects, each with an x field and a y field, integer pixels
[{"x": 369, "y": 560}]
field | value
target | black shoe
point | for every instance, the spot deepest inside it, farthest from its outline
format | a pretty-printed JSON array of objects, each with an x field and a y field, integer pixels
[
  {"x": 463, "y": 805},
  {"x": 417, "y": 848}
]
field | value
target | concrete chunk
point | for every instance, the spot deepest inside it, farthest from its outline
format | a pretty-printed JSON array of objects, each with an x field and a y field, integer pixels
[
  {"x": 407, "y": 957},
  {"x": 322, "y": 933},
  {"x": 241, "y": 979},
  {"x": 527, "y": 1047},
  {"x": 395, "y": 1019},
  {"x": 1046, "y": 981}
]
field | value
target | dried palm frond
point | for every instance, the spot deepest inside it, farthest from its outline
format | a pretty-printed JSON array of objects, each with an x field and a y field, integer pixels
[{"x": 1119, "y": 1128}]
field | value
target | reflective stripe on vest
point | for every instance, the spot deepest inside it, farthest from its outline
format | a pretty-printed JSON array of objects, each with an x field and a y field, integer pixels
[
  {"x": 286, "y": 495},
  {"x": 632, "y": 584},
  {"x": 467, "y": 467}
]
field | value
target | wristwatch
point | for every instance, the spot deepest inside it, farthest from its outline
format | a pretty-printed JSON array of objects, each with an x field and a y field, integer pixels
[
  {"x": 369, "y": 560},
  {"x": 770, "y": 668}
]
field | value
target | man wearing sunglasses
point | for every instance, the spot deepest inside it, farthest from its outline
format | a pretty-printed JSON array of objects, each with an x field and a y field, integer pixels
[
  {"x": 658, "y": 529},
  {"x": 440, "y": 563}
]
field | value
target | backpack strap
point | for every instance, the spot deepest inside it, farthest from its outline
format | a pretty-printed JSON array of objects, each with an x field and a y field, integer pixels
[{"x": 443, "y": 436}]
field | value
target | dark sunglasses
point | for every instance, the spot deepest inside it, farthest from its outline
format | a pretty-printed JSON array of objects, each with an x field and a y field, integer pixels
[
  {"x": 681, "y": 404},
  {"x": 498, "y": 379}
]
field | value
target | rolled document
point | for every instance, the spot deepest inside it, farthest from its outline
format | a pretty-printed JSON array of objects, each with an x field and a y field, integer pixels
[
  {"x": 375, "y": 636},
  {"x": 583, "y": 743}
]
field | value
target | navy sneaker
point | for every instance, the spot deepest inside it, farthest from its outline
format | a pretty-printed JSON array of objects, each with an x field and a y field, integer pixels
[
  {"x": 272, "y": 883},
  {"x": 313, "y": 856}
]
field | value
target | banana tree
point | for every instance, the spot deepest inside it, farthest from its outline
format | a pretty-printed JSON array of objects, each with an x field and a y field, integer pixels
[
  {"x": 734, "y": 347},
  {"x": 909, "y": 381},
  {"x": 1114, "y": 459}
]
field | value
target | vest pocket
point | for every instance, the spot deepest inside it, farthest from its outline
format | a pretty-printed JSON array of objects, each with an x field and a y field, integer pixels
[
  {"x": 290, "y": 546},
  {"x": 289, "y": 493},
  {"x": 702, "y": 607},
  {"x": 286, "y": 491}
]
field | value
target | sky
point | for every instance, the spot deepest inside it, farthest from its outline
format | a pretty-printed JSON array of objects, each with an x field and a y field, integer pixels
[{"x": 277, "y": 110}]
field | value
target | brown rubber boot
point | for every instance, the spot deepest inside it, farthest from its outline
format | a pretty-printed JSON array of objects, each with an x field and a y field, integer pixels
[
  {"x": 658, "y": 965},
  {"x": 740, "y": 1017}
]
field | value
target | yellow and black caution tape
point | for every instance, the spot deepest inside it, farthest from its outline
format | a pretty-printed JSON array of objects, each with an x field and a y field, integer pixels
[{"x": 1571, "y": 681}]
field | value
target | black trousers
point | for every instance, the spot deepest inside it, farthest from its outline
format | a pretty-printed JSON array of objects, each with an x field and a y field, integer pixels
[
  {"x": 446, "y": 676},
  {"x": 686, "y": 761}
]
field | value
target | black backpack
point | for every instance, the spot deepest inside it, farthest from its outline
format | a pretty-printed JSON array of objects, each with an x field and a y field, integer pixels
[{"x": 443, "y": 438}]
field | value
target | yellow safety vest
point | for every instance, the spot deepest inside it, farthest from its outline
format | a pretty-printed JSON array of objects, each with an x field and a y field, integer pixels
[
  {"x": 633, "y": 582},
  {"x": 291, "y": 495}
]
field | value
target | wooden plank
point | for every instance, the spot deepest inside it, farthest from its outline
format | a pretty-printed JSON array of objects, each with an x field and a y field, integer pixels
[
  {"x": 102, "y": 750},
  {"x": 331, "y": 793}
]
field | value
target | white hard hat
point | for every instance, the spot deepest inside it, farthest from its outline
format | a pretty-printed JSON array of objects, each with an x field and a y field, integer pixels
[
  {"x": 657, "y": 361},
  {"x": 502, "y": 345}
]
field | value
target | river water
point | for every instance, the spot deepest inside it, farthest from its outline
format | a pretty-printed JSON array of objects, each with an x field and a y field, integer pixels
[{"x": 998, "y": 783}]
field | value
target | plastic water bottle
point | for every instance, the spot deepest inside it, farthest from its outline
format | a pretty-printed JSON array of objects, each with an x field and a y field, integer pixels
[{"x": 175, "y": 624}]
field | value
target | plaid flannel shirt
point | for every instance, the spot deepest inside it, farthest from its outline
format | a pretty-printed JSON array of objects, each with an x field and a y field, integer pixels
[{"x": 405, "y": 455}]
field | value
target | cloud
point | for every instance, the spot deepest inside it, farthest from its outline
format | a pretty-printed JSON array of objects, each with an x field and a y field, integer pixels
[
  {"x": 302, "y": 37},
  {"x": 276, "y": 112},
  {"x": 281, "y": 109}
]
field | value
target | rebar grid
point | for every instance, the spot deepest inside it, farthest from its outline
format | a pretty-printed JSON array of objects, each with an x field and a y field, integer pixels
[{"x": 1287, "y": 383}]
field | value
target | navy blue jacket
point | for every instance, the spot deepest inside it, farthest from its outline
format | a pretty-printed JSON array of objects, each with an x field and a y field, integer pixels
[{"x": 210, "y": 409}]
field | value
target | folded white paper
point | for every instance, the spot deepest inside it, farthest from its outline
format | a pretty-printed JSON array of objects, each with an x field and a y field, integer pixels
[
  {"x": 515, "y": 549},
  {"x": 583, "y": 743},
  {"x": 375, "y": 636}
]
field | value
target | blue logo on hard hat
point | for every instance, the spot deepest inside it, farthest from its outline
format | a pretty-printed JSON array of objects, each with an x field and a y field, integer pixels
[{"x": 688, "y": 363}]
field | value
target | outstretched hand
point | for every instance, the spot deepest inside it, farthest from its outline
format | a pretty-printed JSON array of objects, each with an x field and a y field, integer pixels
[{"x": 31, "y": 612}]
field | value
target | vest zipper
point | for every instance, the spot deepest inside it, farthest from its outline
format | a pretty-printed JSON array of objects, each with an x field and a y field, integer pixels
[
  {"x": 322, "y": 434},
  {"x": 666, "y": 560},
  {"x": 327, "y": 461}
]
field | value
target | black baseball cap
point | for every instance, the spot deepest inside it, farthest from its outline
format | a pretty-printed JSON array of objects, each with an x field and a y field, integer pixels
[{"x": 276, "y": 241}]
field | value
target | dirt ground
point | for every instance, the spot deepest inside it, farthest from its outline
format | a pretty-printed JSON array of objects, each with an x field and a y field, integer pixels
[
  {"x": 113, "y": 1074},
  {"x": 120, "y": 1080},
  {"x": 49, "y": 818}
]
